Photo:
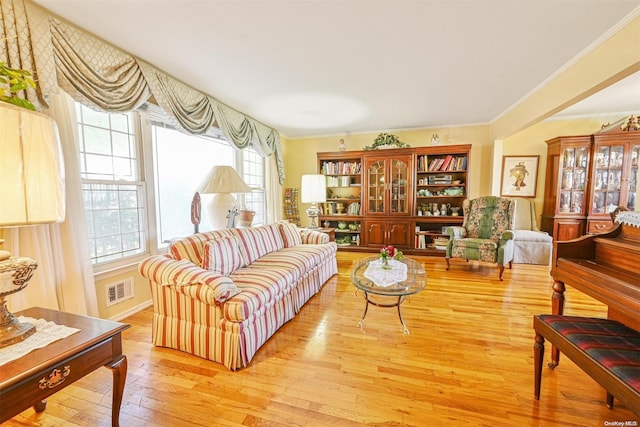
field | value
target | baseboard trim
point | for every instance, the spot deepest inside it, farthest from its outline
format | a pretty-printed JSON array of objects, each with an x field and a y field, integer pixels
[{"x": 133, "y": 310}]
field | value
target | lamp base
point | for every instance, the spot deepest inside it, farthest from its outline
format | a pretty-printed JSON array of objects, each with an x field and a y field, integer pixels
[
  {"x": 219, "y": 209},
  {"x": 312, "y": 213},
  {"x": 11, "y": 330}
]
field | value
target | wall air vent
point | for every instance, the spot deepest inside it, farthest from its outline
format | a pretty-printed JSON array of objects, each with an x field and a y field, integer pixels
[{"x": 119, "y": 291}]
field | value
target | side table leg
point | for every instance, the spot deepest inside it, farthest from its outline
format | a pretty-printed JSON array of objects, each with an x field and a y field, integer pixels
[
  {"x": 119, "y": 370},
  {"x": 405, "y": 330},
  {"x": 366, "y": 307}
]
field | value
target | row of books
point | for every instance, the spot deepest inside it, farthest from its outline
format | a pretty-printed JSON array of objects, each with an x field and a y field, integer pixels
[
  {"x": 339, "y": 181},
  {"x": 341, "y": 168},
  {"x": 331, "y": 208},
  {"x": 424, "y": 241},
  {"x": 442, "y": 164}
]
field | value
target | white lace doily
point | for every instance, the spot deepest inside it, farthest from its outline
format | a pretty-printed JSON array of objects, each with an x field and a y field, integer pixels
[
  {"x": 46, "y": 333},
  {"x": 629, "y": 218},
  {"x": 383, "y": 277}
]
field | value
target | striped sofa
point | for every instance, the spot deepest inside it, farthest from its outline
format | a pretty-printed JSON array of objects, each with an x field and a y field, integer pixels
[{"x": 220, "y": 295}]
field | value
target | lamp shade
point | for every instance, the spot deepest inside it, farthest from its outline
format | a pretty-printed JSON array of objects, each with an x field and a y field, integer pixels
[
  {"x": 31, "y": 168},
  {"x": 223, "y": 179},
  {"x": 314, "y": 188}
]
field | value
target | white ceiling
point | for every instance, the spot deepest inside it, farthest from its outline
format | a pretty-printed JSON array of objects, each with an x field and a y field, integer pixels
[{"x": 322, "y": 67}]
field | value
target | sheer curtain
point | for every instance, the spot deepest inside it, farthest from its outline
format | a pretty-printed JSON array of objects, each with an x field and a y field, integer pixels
[
  {"x": 64, "y": 277},
  {"x": 273, "y": 193}
]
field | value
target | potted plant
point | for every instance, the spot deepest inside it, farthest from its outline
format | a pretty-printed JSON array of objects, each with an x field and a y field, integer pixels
[
  {"x": 17, "y": 80},
  {"x": 386, "y": 140}
]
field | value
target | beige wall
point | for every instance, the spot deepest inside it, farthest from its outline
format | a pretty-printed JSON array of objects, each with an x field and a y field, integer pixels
[{"x": 141, "y": 299}]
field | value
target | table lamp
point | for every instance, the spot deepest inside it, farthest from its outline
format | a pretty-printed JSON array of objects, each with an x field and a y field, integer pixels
[
  {"x": 314, "y": 190},
  {"x": 31, "y": 192},
  {"x": 221, "y": 181}
]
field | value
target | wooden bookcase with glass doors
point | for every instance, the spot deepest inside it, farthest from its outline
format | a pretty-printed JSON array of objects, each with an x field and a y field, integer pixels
[
  {"x": 588, "y": 177},
  {"x": 405, "y": 197}
]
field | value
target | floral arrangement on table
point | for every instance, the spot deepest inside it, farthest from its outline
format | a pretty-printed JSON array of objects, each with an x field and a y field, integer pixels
[
  {"x": 387, "y": 253},
  {"x": 386, "y": 140}
]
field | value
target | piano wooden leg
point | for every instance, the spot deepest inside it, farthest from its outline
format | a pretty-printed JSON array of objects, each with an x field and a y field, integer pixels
[
  {"x": 557, "y": 307},
  {"x": 609, "y": 400}
]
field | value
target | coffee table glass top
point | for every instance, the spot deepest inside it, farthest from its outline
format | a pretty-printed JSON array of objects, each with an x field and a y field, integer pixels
[{"x": 364, "y": 276}]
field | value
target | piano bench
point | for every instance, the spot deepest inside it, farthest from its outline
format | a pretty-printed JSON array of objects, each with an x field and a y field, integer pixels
[{"x": 608, "y": 351}]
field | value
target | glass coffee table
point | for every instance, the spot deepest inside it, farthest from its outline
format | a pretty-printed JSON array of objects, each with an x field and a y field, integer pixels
[{"x": 405, "y": 278}]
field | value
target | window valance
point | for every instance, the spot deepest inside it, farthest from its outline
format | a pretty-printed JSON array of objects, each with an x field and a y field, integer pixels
[{"x": 105, "y": 77}]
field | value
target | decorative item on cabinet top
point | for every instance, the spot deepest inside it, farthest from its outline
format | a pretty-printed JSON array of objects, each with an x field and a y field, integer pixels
[{"x": 386, "y": 140}]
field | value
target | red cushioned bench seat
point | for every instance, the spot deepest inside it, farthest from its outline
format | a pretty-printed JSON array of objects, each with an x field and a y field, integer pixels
[{"x": 606, "y": 350}]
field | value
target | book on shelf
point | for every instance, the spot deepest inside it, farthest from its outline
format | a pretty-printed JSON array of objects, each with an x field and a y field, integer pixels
[
  {"x": 445, "y": 163},
  {"x": 341, "y": 168}
]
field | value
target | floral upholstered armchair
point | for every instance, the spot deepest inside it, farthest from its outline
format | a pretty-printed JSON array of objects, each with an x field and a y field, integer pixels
[{"x": 486, "y": 233}]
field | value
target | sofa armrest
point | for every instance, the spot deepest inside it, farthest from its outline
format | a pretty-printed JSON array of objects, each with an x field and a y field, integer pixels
[
  {"x": 165, "y": 270},
  {"x": 313, "y": 237}
]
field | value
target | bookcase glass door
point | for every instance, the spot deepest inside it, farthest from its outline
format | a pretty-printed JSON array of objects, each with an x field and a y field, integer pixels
[
  {"x": 632, "y": 200},
  {"x": 399, "y": 187},
  {"x": 607, "y": 184},
  {"x": 375, "y": 186},
  {"x": 574, "y": 180}
]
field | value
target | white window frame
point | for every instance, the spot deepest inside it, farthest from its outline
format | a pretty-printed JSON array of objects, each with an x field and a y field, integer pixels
[
  {"x": 139, "y": 182},
  {"x": 142, "y": 128}
]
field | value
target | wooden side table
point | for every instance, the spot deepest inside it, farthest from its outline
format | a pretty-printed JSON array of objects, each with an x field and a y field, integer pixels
[
  {"x": 330, "y": 231},
  {"x": 30, "y": 379}
]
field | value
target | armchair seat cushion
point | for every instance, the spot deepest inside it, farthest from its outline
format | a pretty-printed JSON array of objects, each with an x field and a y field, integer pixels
[{"x": 477, "y": 249}]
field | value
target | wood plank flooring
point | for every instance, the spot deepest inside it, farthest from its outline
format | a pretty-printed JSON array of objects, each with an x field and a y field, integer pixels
[{"x": 468, "y": 361}]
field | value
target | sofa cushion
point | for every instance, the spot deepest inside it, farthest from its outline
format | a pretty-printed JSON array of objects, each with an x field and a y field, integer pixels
[
  {"x": 223, "y": 255},
  {"x": 259, "y": 287},
  {"x": 192, "y": 247},
  {"x": 259, "y": 241},
  {"x": 290, "y": 234}
]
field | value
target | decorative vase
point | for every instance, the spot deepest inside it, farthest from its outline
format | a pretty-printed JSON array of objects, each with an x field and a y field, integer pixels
[
  {"x": 342, "y": 225},
  {"x": 384, "y": 264}
]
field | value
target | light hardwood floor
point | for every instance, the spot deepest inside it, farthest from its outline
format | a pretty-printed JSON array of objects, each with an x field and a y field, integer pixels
[{"x": 468, "y": 361}]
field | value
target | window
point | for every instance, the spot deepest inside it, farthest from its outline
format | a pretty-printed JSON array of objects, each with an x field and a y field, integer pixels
[
  {"x": 181, "y": 162},
  {"x": 114, "y": 181},
  {"x": 112, "y": 190},
  {"x": 253, "y": 175}
]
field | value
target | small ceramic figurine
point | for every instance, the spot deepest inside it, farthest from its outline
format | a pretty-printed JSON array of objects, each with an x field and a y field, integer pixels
[{"x": 342, "y": 145}]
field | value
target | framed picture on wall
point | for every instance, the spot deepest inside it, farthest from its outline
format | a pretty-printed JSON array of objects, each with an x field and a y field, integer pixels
[{"x": 519, "y": 176}]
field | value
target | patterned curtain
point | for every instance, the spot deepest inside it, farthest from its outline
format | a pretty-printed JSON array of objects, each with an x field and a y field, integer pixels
[{"x": 109, "y": 79}]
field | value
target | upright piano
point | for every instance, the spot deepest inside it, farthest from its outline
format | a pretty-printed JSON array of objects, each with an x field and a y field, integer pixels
[{"x": 604, "y": 266}]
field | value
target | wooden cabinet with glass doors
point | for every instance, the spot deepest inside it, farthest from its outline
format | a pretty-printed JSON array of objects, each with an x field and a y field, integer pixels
[
  {"x": 566, "y": 187},
  {"x": 387, "y": 183},
  {"x": 390, "y": 197},
  {"x": 614, "y": 175}
]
